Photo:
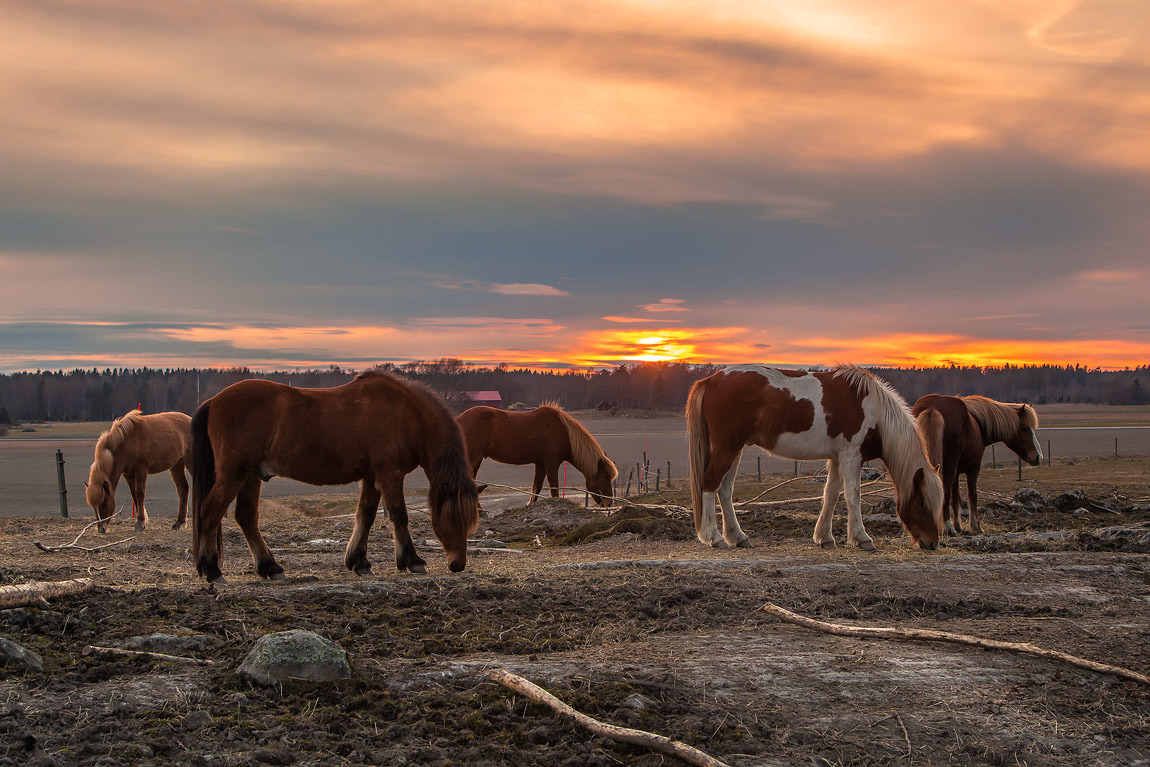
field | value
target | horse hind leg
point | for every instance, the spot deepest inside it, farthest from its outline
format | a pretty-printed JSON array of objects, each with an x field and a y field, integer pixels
[
  {"x": 732, "y": 532},
  {"x": 207, "y": 536},
  {"x": 181, "y": 482},
  {"x": 537, "y": 484},
  {"x": 553, "y": 479},
  {"x": 722, "y": 461},
  {"x": 851, "y": 469},
  {"x": 248, "y": 518},
  {"x": 972, "y": 501}
]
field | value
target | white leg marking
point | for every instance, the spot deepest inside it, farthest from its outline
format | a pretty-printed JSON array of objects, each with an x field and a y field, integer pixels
[
  {"x": 732, "y": 532},
  {"x": 823, "y": 535}
]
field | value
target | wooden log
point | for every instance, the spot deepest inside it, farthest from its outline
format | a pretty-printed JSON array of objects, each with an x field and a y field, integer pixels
[
  {"x": 932, "y": 635},
  {"x": 622, "y": 734},
  {"x": 119, "y": 652},
  {"x": 35, "y": 592}
]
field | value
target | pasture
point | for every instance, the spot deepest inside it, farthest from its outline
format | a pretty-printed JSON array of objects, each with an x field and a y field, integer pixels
[{"x": 624, "y": 616}]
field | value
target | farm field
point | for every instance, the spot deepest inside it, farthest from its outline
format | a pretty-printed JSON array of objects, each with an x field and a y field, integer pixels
[{"x": 625, "y": 617}]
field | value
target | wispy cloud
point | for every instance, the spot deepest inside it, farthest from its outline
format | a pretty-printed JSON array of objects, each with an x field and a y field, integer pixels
[
  {"x": 501, "y": 288},
  {"x": 666, "y": 305}
]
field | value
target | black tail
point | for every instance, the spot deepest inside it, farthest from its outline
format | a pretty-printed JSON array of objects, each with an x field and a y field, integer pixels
[{"x": 203, "y": 470}]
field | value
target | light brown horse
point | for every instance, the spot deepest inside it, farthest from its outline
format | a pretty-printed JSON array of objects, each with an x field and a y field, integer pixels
[
  {"x": 957, "y": 431},
  {"x": 546, "y": 437},
  {"x": 375, "y": 429},
  {"x": 135, "y": 446},
  {"x": 846, "y": 416}
]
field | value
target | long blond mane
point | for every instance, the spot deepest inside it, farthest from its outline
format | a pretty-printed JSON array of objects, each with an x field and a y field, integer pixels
[
  {"x": 585, "y": 451},
  {"x": 999, "y": 420},
  {"x": 109, "y": 443},
  {"x": 904, "y": 450}
]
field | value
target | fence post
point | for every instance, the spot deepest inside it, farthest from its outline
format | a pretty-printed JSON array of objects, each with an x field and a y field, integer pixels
[
  {"x": 658, "y": 476},
  {"x": 1019, "y": 469},
  {"x": 63, "y": 485},
  {"x": 993, "y": 462},
  {"x": 668, "y": 475},
  {"x": 586, "y": 499},
  {"x": 627, "y": 492},
  {"x": 759, "y": 467},
  {"x": 1115, "y": 448}
]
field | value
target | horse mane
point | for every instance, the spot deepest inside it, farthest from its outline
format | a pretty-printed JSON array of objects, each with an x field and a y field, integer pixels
[
  {"x": 585, "y": 450},
  {"x": 904, "y": 450},
  {"x": 110, "y": 441},
  {"x": 999, "y": 420}
]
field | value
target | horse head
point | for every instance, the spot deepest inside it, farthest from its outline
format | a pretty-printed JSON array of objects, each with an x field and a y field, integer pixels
[
  {"x": 600, "y": 484},
  {"x": 921, "y": 509},
  {"x": 101, "y": 496},
  {"x": 1024, "y": 441},
  {"x": 454, "y": 516}
]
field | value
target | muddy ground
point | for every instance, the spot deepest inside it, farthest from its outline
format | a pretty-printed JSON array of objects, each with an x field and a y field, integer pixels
[{"x": 626, "y": 617}]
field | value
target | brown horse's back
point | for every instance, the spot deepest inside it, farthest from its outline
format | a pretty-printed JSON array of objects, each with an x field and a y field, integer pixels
[
  {"x": 537, "y": 436},
  {"x": 156, "y": 442}
]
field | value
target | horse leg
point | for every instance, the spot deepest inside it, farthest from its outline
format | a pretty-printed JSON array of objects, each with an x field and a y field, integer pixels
[
  {"x": 722, "y": 461},
  {"x": 136, "y": 483},
  {"x": 823, "y": 535},
  {"x": 952, "y": 507},
  {"x": 406, "y": 557},
  {"x": 181, "y": 482},
  {"x": 536, "y": 484},
  {"x": 474, "y": 475},
  {"x": 355, "y": 557},
  {"x": 248, "y": 518},
  {"x": 553, "y": 479},
  {"x": 972, "y": 499},
  {"x": 207, "y": 537},
  {"x": 851, "y": 470},
  {"x": 732, "y": 533}
]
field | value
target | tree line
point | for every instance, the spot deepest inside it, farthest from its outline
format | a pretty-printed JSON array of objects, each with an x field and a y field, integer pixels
[{"x": 101, "y": 395}]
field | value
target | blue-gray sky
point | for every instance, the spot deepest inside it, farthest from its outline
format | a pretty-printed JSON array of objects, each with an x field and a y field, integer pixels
[{"x": 580, "y": 183}]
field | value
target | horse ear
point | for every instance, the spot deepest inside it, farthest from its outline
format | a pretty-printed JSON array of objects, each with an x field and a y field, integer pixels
[
  {"x": 1022, "y": 409},
  {"x": 85, "y": 484},
  {"x": 480, "y": 487}
]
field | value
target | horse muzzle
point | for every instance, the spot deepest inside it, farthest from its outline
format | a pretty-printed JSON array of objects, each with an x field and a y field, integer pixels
[{"x": 456, "y": 566}]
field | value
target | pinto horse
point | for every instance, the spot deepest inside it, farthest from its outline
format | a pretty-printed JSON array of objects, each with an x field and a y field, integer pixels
[
  {"x": 957, "y": 431},
  {"x": 135, "y": 446},
  {"x": 546, "y": 437},
  {"x": 375, "y": 429},
  {"x": 846, "y": 416}
]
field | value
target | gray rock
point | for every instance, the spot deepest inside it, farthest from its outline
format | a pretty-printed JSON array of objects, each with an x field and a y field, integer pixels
[
  {"x": 1070, "y": 500},
  {"x": 197, "y": 719},
  {"x": 170, "y": 644},
  {"x": 18, "y": 657},
  {"x": 639, "y": 702},
  {"x": 1029, "y": 498},
  {"x": 295, "y": 654}
]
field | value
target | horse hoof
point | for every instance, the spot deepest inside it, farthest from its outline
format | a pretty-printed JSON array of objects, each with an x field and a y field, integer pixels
[
  {"x": 745, "y": 544},
  {"x": 364, "y": 570},
  {"x": 418, "y": 568},
  {"x": 720, "y": 544},
  {"x": 218, "y": 579},
  {"x": 277, "y": 577},
  {"x": 177, "y": 525},
  {"x": 828, "y": 544},
  {"x": 867, "y": 546}
]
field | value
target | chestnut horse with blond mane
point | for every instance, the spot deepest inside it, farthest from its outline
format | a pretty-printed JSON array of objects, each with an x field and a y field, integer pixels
[
  {"x": 135, "y": 446},
  {"x": 546, "y": 437},
  {"x": 958, "y": 430},
  {"x": 847, "y": 416},
  {"x": 375, "y": 429}
]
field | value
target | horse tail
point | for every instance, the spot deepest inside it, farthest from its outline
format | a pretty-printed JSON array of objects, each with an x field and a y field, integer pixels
[
  {"x": 698, "y": 446},
  {"x": 931, "y": 425},
  {"x": 203, "y": 469}
]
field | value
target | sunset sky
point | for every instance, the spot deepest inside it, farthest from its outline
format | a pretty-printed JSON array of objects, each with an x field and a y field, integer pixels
[{"x": 576, "y": 183}]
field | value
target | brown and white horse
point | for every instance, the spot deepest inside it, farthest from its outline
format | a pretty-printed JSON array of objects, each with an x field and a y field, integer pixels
[
  {"x": 375, "y": 429},
  {"x": 135, "y": 446},
  {"x": 846, "y": 416},
  {"x": 546, "y": 437},
  {"x": 957, "y": 431}
]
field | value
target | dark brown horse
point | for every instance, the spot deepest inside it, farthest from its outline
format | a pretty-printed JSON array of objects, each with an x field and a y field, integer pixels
[
  {"x": 957, "y": 432},
  {"x": 376, "y": 430},
  {"x": 135, "y": 446},
  {"x": 546, "y": 437},
  {"x": 846, "y": 416}
]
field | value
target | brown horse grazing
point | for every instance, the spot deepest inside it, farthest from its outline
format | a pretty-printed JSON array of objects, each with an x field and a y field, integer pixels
[
  {"x": 546, "y": 437},
  {"x": 958, "y": 430},
  {"x": 847, "y": 416},
  {"x": 135, "y": 446},
  {"x": 375, "y": 429}
]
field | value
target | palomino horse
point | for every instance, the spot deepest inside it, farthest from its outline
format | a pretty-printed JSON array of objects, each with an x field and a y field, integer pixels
[
  {"x": 135, "y": 446},
  {"x": 957, "y": 431},
  {"x": 375, "y": 429},
  {"x": 847, "y": 416},
  {"x": 546, "y": 437}
]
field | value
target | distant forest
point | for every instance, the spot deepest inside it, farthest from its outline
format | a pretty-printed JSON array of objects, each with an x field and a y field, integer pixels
[{"x": 101, "y": 395}]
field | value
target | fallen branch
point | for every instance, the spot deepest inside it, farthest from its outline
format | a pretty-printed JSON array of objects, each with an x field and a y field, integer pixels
[
  {"x": 94, "y": 649},
  {"x": 931, "y": 635},
  {"x": 73, "y": 544},
  {"x": 622, "y": 734},
  {"x": 37, "y": 592}
]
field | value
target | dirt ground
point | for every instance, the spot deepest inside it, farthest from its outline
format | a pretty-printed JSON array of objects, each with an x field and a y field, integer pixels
[{"x": 625, "y": 617}]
